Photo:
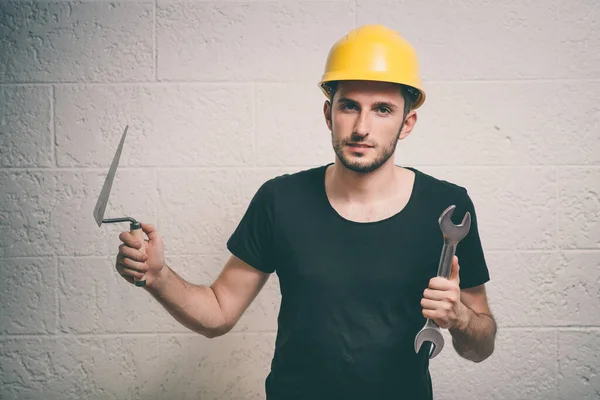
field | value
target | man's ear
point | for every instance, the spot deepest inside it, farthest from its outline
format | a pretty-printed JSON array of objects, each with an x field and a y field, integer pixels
[
  {"x": 409, "y": 124},
  {"x": 327, "y": 113}
]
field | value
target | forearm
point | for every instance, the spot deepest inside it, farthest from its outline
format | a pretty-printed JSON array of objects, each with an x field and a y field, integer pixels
[
  {"x": 194, "y": 306},
  {"x": 475, "y": 336}
]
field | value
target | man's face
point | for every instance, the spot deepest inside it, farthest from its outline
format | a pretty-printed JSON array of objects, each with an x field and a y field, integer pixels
[{"x": 366, "y": 123}]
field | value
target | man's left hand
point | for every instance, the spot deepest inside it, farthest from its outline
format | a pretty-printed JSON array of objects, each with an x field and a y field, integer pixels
[{"x": 441, "y": 300}]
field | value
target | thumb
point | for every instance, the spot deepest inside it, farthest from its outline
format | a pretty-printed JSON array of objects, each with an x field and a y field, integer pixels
[
  {"x": 454, "y": 274},
  {"x": 150, "y": 231}
]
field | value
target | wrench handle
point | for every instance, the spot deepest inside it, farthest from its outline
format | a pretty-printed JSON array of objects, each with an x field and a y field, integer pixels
[{"x": 445, "y": 266}]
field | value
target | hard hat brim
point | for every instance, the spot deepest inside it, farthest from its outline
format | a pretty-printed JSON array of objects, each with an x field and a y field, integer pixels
[{"x": 376, "y": 77}]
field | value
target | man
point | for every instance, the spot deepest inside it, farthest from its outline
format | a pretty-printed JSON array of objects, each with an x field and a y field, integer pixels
[{"x": 355, "y": 243}]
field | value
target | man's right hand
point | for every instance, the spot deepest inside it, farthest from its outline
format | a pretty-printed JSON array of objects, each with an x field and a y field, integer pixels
[{"x": 136, "y": 259}]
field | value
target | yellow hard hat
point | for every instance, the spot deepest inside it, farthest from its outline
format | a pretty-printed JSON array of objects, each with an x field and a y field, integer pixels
[{"x": 375, "y": 53}]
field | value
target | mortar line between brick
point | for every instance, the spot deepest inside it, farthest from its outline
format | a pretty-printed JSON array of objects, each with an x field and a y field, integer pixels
[
  {"x": 557, "y": 372},
  {"x": 53, "y": 124},
  {"x": 292, "y": 82},
  {"x": 154, "y": 50},
  {"x": 275, "y": 167},
  {"x": 558, "y": 238},
  {"x": 56, "y": 297},
  {"x": 124, "y": 334},
  {"x": 573, "y": 328}
]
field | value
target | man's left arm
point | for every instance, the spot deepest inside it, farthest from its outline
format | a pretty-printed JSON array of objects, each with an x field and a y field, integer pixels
[{"x": 465, "y": 314}]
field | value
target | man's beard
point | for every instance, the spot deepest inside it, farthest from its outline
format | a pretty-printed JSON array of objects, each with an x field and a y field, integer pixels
[{"x": 357, "y": 166}]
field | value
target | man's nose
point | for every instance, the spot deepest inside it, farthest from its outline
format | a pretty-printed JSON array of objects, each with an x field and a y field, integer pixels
[{"x": 362, "y": 127}]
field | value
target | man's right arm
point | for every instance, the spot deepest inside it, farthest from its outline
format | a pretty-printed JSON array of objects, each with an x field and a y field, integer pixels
[{"x": 208, "y": 310}]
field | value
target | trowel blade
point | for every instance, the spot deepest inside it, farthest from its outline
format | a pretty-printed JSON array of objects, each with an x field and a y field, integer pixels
[{"x": 105, "y": 192}]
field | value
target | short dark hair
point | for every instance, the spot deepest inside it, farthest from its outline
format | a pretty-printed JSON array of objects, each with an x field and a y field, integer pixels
[{"x": 410, "y": 94}]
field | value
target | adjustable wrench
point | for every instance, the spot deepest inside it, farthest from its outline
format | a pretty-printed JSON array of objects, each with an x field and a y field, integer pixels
[{"x": 453, "y": 234}]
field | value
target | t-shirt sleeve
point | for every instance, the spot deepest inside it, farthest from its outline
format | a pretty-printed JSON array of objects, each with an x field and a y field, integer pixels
[
  {"x": 252, "y": 240},
  {"x": 471, "y": 259}
]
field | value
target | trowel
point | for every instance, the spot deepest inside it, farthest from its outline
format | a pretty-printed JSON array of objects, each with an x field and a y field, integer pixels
[{"x": 134, "y": 227}]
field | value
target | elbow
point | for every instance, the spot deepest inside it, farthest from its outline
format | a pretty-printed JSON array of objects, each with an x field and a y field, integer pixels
[
  {"x": 475, "y": 355},
  {"x": 210, "y": 334},
  {"x": 482, "y": 357},
  {"x": 215, "y": 332},
  {"x": 479, "y": 360}
]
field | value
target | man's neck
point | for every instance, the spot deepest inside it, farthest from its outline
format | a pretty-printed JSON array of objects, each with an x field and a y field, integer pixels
[{"x": 365, "y": 188}]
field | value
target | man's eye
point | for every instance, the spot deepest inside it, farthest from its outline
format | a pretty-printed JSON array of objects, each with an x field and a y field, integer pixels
[
  {"x": 384, "y": 110},
  {"x": 348, "y": 107}
]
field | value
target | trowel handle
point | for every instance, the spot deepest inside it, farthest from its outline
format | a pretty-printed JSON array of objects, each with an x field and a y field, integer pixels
[{"x": 135, "y": 228}]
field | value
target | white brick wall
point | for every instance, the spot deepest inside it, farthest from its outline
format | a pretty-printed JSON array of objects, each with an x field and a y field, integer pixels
[{"x": 219, "y": 97}]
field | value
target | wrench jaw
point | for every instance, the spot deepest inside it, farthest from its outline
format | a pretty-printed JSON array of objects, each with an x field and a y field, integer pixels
[
  {"x": 451, "y": 231},
  {"x": 434, "y": 349},
  {"x": 433, "y": 335}
]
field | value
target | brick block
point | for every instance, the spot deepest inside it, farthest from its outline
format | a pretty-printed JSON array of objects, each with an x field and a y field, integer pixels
[
  {"x": 547, "y": 289},
  {"x": 476, "y": 40},
  {"x": 579, "y": 37},
  {"x": 200, "y": 209},
  {"x": 76, "y": 368},
  {"x": 274, "y": 41},
  {"x": 66, "y": 42},
  {"x": 291, "y": 130},
  {"x": 51, "y": 213},
  {"x": 524, "y": 289},
  {"x": 579, "y": 197},
  {"x": 233, "y": 366},
  {"x": 523, "y": 366},
  {"x": 516, "y": 207},
  {"x": 133, "y": 194},
  {"x": 27, "y": 287},
  {"x": 25, "y": 123},
  {"x": 94, "y": 298},
  {"x": 579, "y": 365},
  {"x": 169, "y": 125},
  {"x": 508, "y": 123},
  {"x": 26, "y": 200},
  {"x": 578, "y": 290}
]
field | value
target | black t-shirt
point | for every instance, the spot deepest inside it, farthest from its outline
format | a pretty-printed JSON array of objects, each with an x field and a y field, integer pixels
[{"x": 351, "y": 291}]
